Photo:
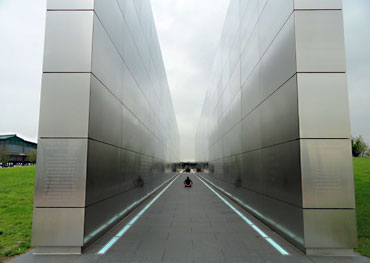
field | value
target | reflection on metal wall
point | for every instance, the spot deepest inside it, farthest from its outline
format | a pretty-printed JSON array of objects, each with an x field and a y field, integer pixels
[
  {"x": 275, "y": 121},
  {"x": 108, "y": 131}
]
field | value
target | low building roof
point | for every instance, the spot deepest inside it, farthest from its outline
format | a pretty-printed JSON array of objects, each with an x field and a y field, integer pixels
[{"x": 10, "y": 136}]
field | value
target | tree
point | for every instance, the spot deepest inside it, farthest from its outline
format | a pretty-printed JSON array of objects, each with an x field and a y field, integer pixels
[
  {"x": 359, "y": 147},
  {"x": 4, "y": 157},
  {"x": 32, "y": 156}
]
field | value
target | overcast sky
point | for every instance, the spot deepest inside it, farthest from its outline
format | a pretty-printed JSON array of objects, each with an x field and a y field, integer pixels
[
  {"x": 21, "y": 51},
  {"x": 357, "y": 34},
  {"x": 189, "y": 32}
]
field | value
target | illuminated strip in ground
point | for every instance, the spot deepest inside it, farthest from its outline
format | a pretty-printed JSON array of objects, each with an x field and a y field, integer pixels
[
  {"x": 249, "y": 222},
  {"x": 125, "y": 211},
  {"x": 251, "y": 209},
  {"x": 132, "y": 221}
]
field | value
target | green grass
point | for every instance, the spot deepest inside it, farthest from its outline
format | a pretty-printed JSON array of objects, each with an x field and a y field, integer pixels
[
  {"x": 16, "y": 204},
  {"x": 361, "y": 168}
]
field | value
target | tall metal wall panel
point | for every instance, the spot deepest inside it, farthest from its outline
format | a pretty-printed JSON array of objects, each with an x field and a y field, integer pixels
[
  {"x": 108, "y": 132},
  {"x": 275, "y": 121}
]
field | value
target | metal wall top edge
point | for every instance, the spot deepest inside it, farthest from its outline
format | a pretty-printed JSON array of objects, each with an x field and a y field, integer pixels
[{"x": 62, "y": 5}]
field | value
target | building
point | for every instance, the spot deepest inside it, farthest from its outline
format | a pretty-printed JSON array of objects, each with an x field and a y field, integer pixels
[
  {"x": 274, "y": 128},
  {"x": 275, "y": 125},
  {"x": 108, "y": 132},
  {"x": 17, "y": 148}
]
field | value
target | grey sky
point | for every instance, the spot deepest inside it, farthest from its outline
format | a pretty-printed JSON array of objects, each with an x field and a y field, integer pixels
[
  {"x": 21, "y": 50},
  {"x": 189, "y": 32},
  {"x": 357, "y": 34}
]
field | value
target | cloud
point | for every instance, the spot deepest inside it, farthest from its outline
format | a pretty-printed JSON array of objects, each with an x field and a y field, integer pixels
[
  {"x": 21, "y": 48},
  {"x": 189, "y": 33},
  {"x": 357, "y": 36}
]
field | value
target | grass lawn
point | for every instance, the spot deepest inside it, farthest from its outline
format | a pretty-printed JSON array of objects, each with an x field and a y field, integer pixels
[
  {"x": 16, "y": 203},
  {"x": 361, "y": 168}
]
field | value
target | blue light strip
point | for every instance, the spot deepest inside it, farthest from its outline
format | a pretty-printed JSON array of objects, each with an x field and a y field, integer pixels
[
  {"x": 108, "y": 245},
  {"x": 279, "y": 248},
  {"x": 249, "y": 222},
  {"x": 125, "y": 211},
  {"x": 132, "y": 221},
  {"x": 254, "y": 211}
]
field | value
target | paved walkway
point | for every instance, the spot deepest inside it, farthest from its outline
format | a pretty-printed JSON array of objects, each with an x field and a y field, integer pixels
[{"x": 189, "y": 225}]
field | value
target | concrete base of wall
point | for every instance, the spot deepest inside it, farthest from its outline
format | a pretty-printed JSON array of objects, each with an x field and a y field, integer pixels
[
  {"x": 57, "y": 251},
  {"x": 337, "y": 252}
]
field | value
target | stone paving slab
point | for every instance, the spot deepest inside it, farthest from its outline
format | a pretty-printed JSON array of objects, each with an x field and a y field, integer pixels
[{"x": 189, "y": 225}]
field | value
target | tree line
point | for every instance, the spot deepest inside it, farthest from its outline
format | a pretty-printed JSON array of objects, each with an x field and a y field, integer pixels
[
  {"x": 359, "y": 147},
  {"x": 5, "y": 157}
]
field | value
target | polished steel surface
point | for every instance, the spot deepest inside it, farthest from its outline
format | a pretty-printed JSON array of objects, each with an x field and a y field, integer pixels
[
  {"x": 279, "y": 115},
  {"x": 53, "y": 227},
  {"x": 60, "y": 119},
  {"x": 268, "y": 209},
  {"x": 279, "y": 62},
  {"x": 105, "y": 111},
  {"x": 313, "y": 4},
  {"x": 274, "y": 127},
  {"x": 319, "y": 114},
  {"x": 107, "y": 65},
  {"x": 108, "y": 131},
  {"x": 251, "y": 175},
  {"x": 272, "y": 19},
  {"x": 103, "y": 177},
  {"x": 293, "y": 153},
  {"x": 327, "y": 174},
  {"x": 250, "y": 55},
  {"x": 286, "y": 219},
  {"x": 280, "y": 167},
  {"x": 251, "y": 126},
  {"x": 320, "y": 41},
  {"x": 68, "y": 41},
  {"x": 330, "y": 228},
  {"x": 209, "y": 227},
  {"x": 110, "y": 17},
  {"x": 61, "y": 173},
  {"x": 251, "y": 92}
]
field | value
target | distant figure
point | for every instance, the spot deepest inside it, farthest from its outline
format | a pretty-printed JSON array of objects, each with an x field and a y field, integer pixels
[
  {"x": 140, "y": 182},
  {"x": 188, "y": 182}
]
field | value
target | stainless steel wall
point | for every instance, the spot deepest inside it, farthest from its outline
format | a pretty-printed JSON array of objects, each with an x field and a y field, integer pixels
[
  {"x": 275, "y": 122},
  {"x": 108, "y": 132}
]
